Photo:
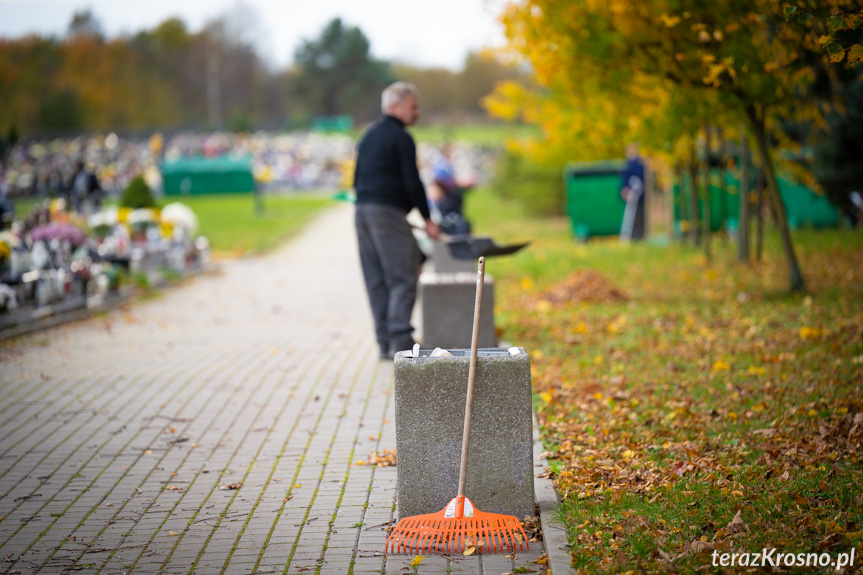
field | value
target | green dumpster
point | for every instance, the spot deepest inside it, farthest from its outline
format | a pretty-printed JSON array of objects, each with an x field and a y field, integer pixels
[
  {"x": 593, "y": 201},
  {"x": 805, "y": 208},
  {"x": 724, "y": 200},
  {"x": 198, "y": 175}
]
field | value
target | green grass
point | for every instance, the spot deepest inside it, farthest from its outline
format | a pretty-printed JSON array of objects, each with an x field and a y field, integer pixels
[
  {"x": 233, "y": 226},
  {"x": 492, "y": 135},
  {"x": 709, "y": 391}
]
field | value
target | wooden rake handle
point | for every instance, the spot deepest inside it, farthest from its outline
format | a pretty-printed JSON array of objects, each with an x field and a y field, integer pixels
[{"x": 471, "y": 378}]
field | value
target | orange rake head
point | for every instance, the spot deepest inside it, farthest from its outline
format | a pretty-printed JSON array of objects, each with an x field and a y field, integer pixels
[{"x": 456, "y": 529}]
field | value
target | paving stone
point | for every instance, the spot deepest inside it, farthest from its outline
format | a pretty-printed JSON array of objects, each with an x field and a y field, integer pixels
[{"x": 265, "y": 371}]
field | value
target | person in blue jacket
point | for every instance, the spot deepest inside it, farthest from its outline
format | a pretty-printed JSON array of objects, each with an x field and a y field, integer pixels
[{"x": 632, "y": 192}]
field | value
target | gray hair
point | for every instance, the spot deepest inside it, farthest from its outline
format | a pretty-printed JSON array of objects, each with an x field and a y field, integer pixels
[{"x": 395, "y": 93}]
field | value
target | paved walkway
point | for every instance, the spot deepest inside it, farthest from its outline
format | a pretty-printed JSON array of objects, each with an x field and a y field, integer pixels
[{"x": 215, "y": 429}]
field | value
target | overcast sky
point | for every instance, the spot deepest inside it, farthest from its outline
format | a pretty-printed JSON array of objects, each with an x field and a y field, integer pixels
[{"x": 427, "y": 33}]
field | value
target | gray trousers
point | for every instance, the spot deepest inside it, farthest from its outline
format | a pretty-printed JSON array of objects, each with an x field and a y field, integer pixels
[{"x": 389, "y": 256}]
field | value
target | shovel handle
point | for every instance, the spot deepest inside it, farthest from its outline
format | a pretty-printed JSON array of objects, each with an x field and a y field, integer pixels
[{"x": 471, "y": 378}]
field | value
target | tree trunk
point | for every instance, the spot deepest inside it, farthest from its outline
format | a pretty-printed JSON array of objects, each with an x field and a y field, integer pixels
[
  {"x": 693, "y": 191},
  {"x": 759, "y": 213},
  {"x": 705, "y": 213},
  {"x": 743, "y": 219},
  {"x": 795, "y": 277}
]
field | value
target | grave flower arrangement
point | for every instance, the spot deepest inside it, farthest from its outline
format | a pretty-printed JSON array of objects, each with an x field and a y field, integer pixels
[
  {"x": 58, "y": 231},
  {"x": 178, "y": 220},
  {"x": 140, "y": 220}
]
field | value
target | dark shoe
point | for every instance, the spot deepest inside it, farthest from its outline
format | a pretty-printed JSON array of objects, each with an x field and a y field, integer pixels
[{"x": 384, "y": 348}]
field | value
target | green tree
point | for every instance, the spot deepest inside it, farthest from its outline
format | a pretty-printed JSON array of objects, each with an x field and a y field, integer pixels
[
  {"x": 336, "y": 73},
  {"x": 85, "y": 23}
]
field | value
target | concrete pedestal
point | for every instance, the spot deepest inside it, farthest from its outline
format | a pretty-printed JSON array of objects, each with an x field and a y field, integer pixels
[
  {"x": 447, "y": 301},
  {"x": 444, "y": 263},
  {"x": 430, "y": 403}
]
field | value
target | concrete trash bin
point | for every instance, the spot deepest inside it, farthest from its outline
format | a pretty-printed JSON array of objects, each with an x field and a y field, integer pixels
[
  {"x": 446, "y": 307},
  {"x": 444, "y": 263},
  {"x": 430, "y": 397}
]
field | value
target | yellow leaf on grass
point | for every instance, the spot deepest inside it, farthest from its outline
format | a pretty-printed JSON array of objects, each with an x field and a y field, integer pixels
[
  {"x": 756, "y": 370},
  {"x": 721, "y": 366},
  {"x": 731, "y": 415},
  {"x": 526, "y": 284},
  {"x": 543, "y": 306},
  {"x": 807, "y": 332},
  {"x": 580, "y": 327},
  {"x": 758, "y": 407},
  {"x": 628, "y": 454},
  {"x": 737, "y": 493},
  {"x": 546, "y": 396},
  {"x": 417, "y": 560}
]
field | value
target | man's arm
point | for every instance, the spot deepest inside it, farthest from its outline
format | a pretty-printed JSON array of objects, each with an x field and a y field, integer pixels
[{"x": 407, "y": 155}]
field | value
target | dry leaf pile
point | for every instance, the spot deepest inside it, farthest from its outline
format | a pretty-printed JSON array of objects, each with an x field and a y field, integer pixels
[
  {"x": 583, "y": 286},
  {"x": 387, "y": 458}
]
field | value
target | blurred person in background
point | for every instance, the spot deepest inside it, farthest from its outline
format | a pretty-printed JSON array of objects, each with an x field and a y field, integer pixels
[
  {"x": 388, "y": 186},
  {"x": 448, "y": 194},
  {"x": 85, "y": 194},
  {"x": 632, "y": 192}
]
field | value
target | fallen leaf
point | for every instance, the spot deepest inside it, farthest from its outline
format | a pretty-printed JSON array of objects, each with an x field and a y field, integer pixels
[
  {"x": 721, "y": 366},
  {"x": 172, "y": 533},
  {"x": 470, "y": 550},
  {"x": 665, "y": 556},
  {"x": 697, "y": 546},
  {"x": 807, "y": 332},
  {"x": 224, "y": 487},
  {"x": 737, "y": 524},
  {"x": 175, "y": 488},
  {"x": 417, "y": 560}
]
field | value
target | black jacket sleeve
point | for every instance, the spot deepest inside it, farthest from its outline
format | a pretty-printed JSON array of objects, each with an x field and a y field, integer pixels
[{"x": 407, "y": 159}]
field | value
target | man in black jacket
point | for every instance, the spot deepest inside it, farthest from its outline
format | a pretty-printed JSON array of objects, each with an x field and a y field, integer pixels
[{"x": 388, "y": 186}]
